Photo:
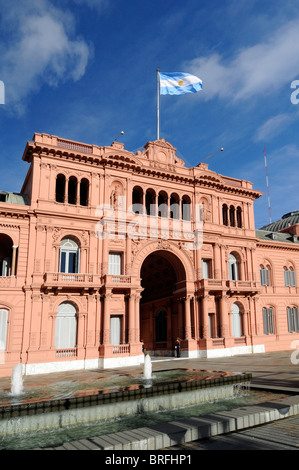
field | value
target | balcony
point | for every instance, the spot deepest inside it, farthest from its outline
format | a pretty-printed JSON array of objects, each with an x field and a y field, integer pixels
[
  {"x": 59, "y": 281},
  {"x": 212, "y": 285},
  {"x": 120, "y": 281},
  {"x": 230, "y": 287},
  {"x": 243, "y": 287}
]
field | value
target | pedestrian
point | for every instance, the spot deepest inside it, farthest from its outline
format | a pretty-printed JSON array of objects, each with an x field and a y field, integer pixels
[
  {"x": 143, "y": 347},
  {"x": 177, "y": 347}
]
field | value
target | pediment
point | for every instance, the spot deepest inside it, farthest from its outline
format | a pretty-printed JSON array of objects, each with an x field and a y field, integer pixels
[{"x": 161, "y": 152}]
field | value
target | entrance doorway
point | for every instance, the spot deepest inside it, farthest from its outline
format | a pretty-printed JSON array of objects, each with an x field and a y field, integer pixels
[{"x": 163, "y": 280}]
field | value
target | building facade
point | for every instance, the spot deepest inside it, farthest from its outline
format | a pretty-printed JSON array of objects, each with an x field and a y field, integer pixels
[{"x": 104, "y": 250}]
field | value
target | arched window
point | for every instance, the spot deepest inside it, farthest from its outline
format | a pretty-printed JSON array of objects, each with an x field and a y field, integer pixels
[
  {"x": 232, "y": 220},
  {"x": 66, "y": 326},
  {"x": 225, "y": 214},
  {"x": 265, "y": 275},
  {"x": 72, "y": 190},
  {"x": 3, "y": 328},
  {"x": 186, "y": 208},
  {"x": 60, "y": 188},
  {"x": 84, "y": 188},
  {"x": 268, "y": 320},
  {"x": 137, "y": 200},
  {"x": 233, "y": 268},
  {"x": 236, "y": 321},
  {"x": 69, "y": 256},
  {"x": 174, "y": 206},
  {"x": 239, "y": 217},
  {"x": 162, "y": 204},
  {"x": 150, "y": 202}
]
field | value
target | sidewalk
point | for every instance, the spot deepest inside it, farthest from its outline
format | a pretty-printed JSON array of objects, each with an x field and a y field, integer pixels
[{"x": 271, "y": 425}]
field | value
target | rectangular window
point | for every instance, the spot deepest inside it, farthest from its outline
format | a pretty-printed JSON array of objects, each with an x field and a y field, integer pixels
[
  {"x": 293, "y": 319},
  {"x": 3, "y": 328},
  {"x": 115, "y": 330},
  {"x": 114, "y": 264},
  {"x": 268, "y": 321},
  {"x": 265, "y": 278},
  {"x": 206, "y": 268},
  {"x": 289, "y": 278}
]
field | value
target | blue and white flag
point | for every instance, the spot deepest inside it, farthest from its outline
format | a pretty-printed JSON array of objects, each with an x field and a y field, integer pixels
[{"x": 178, "y": 83}]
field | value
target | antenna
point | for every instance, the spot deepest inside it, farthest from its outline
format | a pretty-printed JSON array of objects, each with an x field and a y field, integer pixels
[
  {"x": 267, "y": 181},
  {"x": 219, "y": 150}
]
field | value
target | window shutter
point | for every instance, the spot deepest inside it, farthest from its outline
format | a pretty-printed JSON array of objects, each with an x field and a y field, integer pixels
[
  {"x": 65, "y": 326},
  {"x": 286, "y": 278},
  {"x": 115, "y": 330},
  {"x": 236, "y": 321},
  {"x": 265, "y": 320},
  {"x": 262, "y": 276},
  {"x": 271, "y": 321},
  {"x": 290, "y": 320},
  {"x": 205, "y": 269},
  {"x": 3, "y": 328},
  {"x": 114, "y": 264},
  {"x": 292, "y": 278}
]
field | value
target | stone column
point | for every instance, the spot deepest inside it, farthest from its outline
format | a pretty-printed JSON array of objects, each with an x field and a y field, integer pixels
[
  {"x": 205, "y": 317},
  {"x": 66, "y": 190},
  {"x": 13, "y": 260},
  {"x": 217, "y": 262},
  {"x": 131, "y": 318},
  {"x": 188, "y": 335},
  {"x": 224, "y": 318},
  {"x": 137, "y": 317},
  {"x": 106, "y": 322}
]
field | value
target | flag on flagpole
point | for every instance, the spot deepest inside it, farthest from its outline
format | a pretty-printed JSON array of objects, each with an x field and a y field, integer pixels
[{"x": 178, "y": 83}]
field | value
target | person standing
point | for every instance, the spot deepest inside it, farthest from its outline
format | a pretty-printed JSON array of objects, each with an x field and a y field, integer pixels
[{"x": 177, "y": 347}]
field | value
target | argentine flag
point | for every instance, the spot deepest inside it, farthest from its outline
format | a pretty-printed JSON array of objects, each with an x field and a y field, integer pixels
[{"x": 178, "y": 83}]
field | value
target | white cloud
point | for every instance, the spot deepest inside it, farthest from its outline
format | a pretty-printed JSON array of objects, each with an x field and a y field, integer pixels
[
  {"x": 40, "y": 49},
  {"x": 254, "y": 71},
  {"x": 272, "y": 127}
]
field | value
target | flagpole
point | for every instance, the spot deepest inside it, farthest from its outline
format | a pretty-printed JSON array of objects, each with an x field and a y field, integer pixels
[{"x": 158, "y": 104}]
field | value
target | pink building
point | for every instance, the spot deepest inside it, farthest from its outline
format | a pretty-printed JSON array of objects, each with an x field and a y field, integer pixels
[{"x": 103, "y": 249}]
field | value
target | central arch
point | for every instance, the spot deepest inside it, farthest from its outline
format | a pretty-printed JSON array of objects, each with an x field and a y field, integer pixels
[{"x": 163, "y": 280}]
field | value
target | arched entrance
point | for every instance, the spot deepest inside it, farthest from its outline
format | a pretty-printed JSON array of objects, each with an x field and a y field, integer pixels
[{"x": 163, "y": 279}]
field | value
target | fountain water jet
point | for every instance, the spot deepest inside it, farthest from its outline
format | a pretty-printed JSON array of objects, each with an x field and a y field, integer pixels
[
  {"x": 147, "y": 371},
  {"x": 17, "y": 380}
]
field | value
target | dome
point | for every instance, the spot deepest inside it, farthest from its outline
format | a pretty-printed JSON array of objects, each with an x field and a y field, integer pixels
[{"x": 291, "y": 218}]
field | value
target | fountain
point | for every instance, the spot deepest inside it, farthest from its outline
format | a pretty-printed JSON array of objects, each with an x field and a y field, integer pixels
[
  {"x": 123, "y": 394},
  {"x": 17, "y": 381},
  {"x": 147, "y": 371}
]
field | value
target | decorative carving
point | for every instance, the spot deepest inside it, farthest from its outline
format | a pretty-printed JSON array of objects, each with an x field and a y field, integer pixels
[{"x": 56, "y": 233}]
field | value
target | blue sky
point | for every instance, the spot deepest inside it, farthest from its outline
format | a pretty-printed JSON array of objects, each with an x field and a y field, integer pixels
[{"x": 86, "y": 70}]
